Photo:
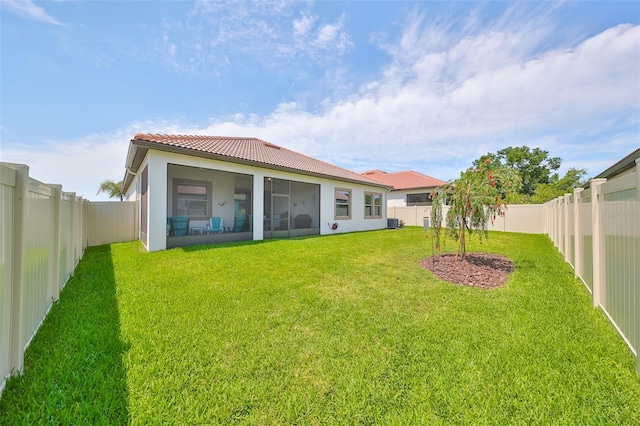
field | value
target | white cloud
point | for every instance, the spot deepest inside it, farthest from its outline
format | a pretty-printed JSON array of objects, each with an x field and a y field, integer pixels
[
  {"x": 27, "y": 9},
  {"x": 334, "y": 36},
  {"x": 302, "y": 26},
  {"x": 270, "y": 33},
  {"x": 454, "y": 104},
  {"x": 444, "y": 99},
  {"x": 78, "y": 165}
]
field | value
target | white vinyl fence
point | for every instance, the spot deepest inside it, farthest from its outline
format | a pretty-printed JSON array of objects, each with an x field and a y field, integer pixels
[
  {"x": 598, "y": 232},
  {"x": 44, "y": 231},
  {"x": 526, "y": 218},
  {"x": 43, "y": 234}
]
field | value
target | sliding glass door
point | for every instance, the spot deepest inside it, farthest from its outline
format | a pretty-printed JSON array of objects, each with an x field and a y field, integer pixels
[{"x": 291, "y": 208}]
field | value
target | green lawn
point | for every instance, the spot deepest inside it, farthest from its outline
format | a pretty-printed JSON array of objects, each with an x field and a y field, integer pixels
[{"x": 341, "y": 329}]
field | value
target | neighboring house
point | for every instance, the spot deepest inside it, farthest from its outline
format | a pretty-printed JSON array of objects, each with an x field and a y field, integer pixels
[
  {"x": 409, "y": 188},
  {"x": 208, "y": 189}
]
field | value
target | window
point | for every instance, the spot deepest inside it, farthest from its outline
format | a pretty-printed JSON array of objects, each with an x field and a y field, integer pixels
[
  {"x": 423, "y": 199},
  {"x": 191, "y": 198},
  {"x": 372, "y": 205},
  {"x": 343, "y": 203}
]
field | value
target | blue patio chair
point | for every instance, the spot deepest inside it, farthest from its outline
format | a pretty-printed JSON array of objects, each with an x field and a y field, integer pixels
[
  {"x": 239, "y": 223},
  {"x": 180, "y": 225},
  {"x": 215, "y": 225},
  {"x": 276, "y": 222}
]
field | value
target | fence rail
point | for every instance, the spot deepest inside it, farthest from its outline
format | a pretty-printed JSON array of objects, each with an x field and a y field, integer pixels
[{"x": 43, "y": 234}]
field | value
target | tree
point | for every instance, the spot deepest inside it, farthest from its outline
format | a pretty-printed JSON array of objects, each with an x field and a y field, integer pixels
[
  {"x": 558, "y": 186},
  {"x": 534, "y": 166},
  {"x": 113, "y": 189},
  {"x": 474, "y": 199}
]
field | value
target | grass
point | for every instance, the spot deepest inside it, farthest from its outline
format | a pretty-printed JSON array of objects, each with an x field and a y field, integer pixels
[{"x": 327, "y": 330}]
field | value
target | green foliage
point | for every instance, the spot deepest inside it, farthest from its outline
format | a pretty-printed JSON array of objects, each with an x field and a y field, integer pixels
[
  {"x": 536, "y": 170},
  {"x": 558, "y": 186},
  {"x": 73, "y": 371},
  {"x": 533, "y": 165},
  {"x": 242, "y": 334},
  {"x": 111, "y": 188},
  {"x": 475, "y": 199}
]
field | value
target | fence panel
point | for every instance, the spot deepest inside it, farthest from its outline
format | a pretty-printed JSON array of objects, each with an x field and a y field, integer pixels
[
  {"x": 111, "y": 222},
  {"x": 605, "y": 244},
  {"x": 621, "y": 233},
  {"x": 569, "y": 240},
  {"x": 66, "y": 259},
  {"x": 36, "y": 266},
  {"x": 43, "y": 234},
  {"x": 525, "y": 218},
  {"x": 7, "y": 184},
  {"x": 78, "y": 227},
  {"x": 586, "y": 233},
  {"x": 410, "y": 215}
]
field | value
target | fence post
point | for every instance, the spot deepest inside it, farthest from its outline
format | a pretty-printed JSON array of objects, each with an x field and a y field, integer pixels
[
  {"x": 16, "y": 356},
  {"x": 567, "y": 234},
  {"x": 637, "y": 266},
  {"x": 552, "y": 216},
  {"x": 560, "y": 219},
  {"x": 71, "y": 196},
  {"x": 598, "y": 246},
  {"x": 577, "y": 236},
  {"x": 55, "y": 248}
]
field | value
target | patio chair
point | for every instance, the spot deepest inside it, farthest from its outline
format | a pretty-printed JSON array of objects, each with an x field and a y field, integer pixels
[
  {"x": 302, "y": 221},
  {"x": 215, "y": 225},
  {"x": 180, "y": 225},
  {"x": 239, "y": 223},
  {"x": 276, "y": 222}
]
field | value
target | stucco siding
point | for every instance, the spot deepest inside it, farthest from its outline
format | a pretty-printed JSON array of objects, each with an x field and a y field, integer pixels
[{"x": 160, "y": 194}]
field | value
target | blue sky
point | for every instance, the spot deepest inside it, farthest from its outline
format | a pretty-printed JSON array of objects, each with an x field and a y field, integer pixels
[{"x": 428, "y": 86}]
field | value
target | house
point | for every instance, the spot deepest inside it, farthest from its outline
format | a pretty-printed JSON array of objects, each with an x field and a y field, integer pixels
[
  {"x": 208, "y": 189},
  {"x": 409, "y": 188}
]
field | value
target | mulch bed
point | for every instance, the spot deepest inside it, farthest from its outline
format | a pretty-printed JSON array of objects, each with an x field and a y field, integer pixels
[{"x": 482, "y": 270}]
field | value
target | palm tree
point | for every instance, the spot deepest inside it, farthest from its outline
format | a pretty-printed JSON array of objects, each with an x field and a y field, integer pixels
[{"x": 114, "y": 189}]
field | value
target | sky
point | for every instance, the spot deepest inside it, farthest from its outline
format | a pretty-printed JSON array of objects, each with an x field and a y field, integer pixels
[{"x": 392, "y": 85}]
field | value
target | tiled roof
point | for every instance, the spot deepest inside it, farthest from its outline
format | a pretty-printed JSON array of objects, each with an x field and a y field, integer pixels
[
  {"x": 242, "y": 150},
  {"x": 407, "y": 179}
]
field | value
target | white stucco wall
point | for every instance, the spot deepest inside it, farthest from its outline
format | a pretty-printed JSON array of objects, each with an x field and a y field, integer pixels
[
  {"x": 399, "y": 198},
  {"x": 160, "y": 195}
]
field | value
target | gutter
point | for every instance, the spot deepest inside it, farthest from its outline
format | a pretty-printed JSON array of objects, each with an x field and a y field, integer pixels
[{"x": 623, "y": 165}]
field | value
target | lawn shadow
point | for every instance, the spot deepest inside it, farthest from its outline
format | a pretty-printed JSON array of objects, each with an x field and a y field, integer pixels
[
  {"x": 202, "y": 247},
  {"x": 74, "y": 371}
]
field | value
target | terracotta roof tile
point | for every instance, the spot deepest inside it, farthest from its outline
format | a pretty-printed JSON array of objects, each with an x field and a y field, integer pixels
[
  {"x": 251, "y": 150},
  {"x": 407, "y": 179}
]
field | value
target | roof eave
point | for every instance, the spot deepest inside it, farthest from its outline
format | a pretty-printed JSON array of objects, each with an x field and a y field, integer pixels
[
  {"x": 139, "y": 143},
  {"x": 621, "y": 166},
  {"x": 413, "y": 188}
]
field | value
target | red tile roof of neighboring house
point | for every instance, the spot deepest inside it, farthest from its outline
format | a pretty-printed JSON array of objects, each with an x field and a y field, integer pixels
[
  {"x": 407, "y": 179},
  {"x": 241, "y": 150}
]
